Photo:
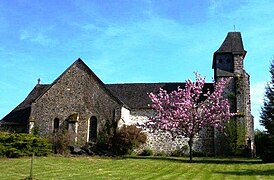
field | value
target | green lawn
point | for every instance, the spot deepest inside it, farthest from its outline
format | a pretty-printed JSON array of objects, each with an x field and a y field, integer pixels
[{"x": 135, "y": 168}]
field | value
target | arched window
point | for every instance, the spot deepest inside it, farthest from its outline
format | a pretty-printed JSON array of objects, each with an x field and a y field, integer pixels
[
  {"x": 56, "y": 124},
  {"x": 93, "y": 129}
]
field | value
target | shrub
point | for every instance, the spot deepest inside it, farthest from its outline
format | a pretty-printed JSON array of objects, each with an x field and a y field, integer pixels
[
  {"x": 3, "y": 150},
  {"x": 60, "y": 140},
  {"x": 146, "y": 152},
  {"x": 261, "y": 141},
  {"x": 243, "y": 151},
  {"x": 268, "y": 156},
  {"x": 126, "y": 139},
  {"x": 161, "y": 153},
  {"x": 176, "y": 153},
  {"x": 180, "y": 152},
  {"x": 17, "y": 145},
  {"x": 264, "y": 146},
  {"x": 105, "y": 139}
]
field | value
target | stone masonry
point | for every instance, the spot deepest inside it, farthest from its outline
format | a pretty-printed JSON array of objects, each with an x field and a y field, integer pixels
[{"x": 75, "y": 91}]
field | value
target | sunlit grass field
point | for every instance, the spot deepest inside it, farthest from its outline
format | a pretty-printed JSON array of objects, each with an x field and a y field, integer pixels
[{"x": 52, "y": 167}]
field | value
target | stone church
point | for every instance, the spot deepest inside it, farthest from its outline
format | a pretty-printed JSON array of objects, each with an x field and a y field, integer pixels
[{"x": 82, "y": 102}]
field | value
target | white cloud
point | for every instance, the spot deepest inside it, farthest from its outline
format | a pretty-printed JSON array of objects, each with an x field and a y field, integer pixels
[
  {"x": 213, "y": 6},
  {"x": 221, "y": 7},
  {"x": 36, "y": 36},
  {"x": 130, "y": 44}
]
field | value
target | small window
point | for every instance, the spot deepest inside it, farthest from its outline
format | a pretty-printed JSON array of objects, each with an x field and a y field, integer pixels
[
  {"x": 93, "y": 129},
  {"x": 56, "y": 124},
  {"x": 220, "y": 61}
]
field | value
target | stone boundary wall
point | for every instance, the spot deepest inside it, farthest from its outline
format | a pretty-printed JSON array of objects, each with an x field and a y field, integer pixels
[{"x": 160, "y": 141}]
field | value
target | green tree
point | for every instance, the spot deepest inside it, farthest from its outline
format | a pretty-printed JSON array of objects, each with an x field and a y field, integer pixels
[
  {"x": 267, "y": 117},
  {"x": 267, "y": 114},
  {"x": 261, "y": 141}
]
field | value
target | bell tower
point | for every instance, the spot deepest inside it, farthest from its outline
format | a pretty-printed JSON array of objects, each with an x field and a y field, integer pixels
[
  {"x": 228, "y": 59},
  {"x": 228, "y": 62}
]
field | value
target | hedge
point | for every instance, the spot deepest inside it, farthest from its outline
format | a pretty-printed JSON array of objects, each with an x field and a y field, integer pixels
[{"x": 14, "y": 145}]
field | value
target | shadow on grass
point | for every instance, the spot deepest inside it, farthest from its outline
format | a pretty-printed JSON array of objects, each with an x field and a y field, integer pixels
[
  {"x": 248, "y": 172},
  {"x": 199, "y": 160}
]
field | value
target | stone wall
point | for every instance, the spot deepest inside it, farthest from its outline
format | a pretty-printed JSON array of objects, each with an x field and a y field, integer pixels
[
  {"x": 243, "y": 101},
  {"x": 78, "y": 91},
  {"x": 220, "y": 141},
  {"x": 238, "y": 63},
  {"x": 245, "y": 106},
  {"x": 160, "y": 141},
  {"x": 238, "y": 93}
]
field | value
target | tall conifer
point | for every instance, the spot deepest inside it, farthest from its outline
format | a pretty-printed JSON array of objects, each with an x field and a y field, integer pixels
[
  {"x": 267, "y": 119},
  {"x": 267, "y": 112}
]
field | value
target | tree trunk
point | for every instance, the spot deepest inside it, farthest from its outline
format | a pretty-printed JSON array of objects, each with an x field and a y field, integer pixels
[{"x": 190, "y": 143}]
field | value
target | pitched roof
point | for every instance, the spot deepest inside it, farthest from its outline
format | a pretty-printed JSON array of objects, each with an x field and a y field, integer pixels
[
  {"x": 20, "y": 114},
  {"x": 232, "y": 44},
  {"x": 135, "y": 94},
  {"x": 80, "y": 64}
]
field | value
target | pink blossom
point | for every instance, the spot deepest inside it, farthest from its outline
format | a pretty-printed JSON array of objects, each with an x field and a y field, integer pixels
[{"x": 183, "y": 113}]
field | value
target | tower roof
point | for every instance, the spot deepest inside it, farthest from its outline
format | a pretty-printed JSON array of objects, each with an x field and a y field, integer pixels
[{"x": 232, "y": 44}]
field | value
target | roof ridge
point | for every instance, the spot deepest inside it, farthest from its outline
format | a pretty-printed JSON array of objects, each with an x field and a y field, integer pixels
[
  {"x": 80, "y": 61},
  {"x": 144, "y": 83},
  {"x": 150, "y": 83},
  {"x": 50, "y": 85}
]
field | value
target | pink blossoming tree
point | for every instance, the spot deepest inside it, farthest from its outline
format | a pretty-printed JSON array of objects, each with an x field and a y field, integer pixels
[{"x": 182, "y": 112}]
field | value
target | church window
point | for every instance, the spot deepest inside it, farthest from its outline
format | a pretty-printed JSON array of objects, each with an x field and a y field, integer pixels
[
  {"x": 56, "y": 124},
  {"x": 93, "y": 129}
]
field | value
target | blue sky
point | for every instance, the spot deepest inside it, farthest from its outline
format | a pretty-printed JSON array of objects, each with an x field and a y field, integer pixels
[{"x": 128, "y": 41}]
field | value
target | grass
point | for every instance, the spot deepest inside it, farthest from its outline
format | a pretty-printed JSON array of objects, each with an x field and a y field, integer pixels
[{"x": 134, "y": 168}]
